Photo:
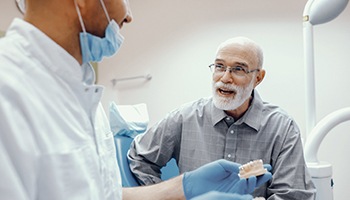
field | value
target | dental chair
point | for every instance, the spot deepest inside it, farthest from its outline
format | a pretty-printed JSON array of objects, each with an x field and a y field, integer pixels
[{"x": 128, "y": 179}]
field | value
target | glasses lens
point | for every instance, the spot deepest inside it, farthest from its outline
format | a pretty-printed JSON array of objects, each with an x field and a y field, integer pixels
[
  {"x": 215, "y": 68},
  {"x": 219, "y": 68},
  {"x": 238, "y": 71},
  {"x": 235, "y": 71}
]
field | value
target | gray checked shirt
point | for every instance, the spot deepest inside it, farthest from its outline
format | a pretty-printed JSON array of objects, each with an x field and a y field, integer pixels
[{"x": 198, "y": 133}]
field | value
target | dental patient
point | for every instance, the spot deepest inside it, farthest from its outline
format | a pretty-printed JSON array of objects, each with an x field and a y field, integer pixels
[{"x": 234, "y": 124}]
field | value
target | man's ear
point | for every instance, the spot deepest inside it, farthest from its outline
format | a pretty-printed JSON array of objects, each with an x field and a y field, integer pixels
[
  {"x": 80, "y": 3},
  {"x": 259, "y": 77}
]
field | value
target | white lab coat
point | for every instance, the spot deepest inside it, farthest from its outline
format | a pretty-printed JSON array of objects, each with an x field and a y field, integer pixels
[{"x": 51, "y": 146}]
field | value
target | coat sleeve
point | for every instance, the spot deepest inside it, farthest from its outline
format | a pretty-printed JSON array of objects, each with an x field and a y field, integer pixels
[{"x": 17, "y": 154}]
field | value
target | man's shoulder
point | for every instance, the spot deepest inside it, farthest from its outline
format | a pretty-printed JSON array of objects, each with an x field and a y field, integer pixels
[
  {"x": 267, "y": 108},
  {"x": 13, "y": 54},
  {"x": 192, "y": 108},
  {"x": 277, "y": 117},
  {"x": 198, "y": 104},
  {"x": 274, "y": 110}
]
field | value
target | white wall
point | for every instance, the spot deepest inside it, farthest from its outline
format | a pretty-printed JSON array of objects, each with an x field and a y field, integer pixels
[
  {"x": 8, "y": 11},
  {"x": 175, "y": 41}
]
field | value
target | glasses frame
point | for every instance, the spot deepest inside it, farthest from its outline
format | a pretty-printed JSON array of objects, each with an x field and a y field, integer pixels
[{"x": 231, "y": 69}]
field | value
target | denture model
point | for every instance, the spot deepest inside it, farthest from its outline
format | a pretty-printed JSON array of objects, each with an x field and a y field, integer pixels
[{"x": 253, "y": 168}]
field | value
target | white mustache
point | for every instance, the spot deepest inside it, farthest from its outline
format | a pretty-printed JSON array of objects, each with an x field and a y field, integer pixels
[{"x": 230, "y": 87}]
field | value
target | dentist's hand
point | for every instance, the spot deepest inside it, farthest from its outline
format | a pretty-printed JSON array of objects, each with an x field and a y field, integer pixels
[
  {"x": 214, "y": 195},
  {"x": 222, "y": 176}
]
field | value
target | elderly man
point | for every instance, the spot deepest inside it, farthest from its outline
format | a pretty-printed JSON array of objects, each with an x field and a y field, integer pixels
[
  {"x": 234, "y": 124},
  {"x": 55, "y": 141}
]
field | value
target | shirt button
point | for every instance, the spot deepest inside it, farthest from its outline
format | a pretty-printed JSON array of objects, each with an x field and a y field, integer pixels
[
  {"x": 232, "y": 131},
  {"x": 228, "y": 119},
  {"x": 229, "y": 155}
]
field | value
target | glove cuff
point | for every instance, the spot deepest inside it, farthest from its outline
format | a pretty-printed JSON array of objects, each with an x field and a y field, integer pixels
[{"x": 187, "y": 185}]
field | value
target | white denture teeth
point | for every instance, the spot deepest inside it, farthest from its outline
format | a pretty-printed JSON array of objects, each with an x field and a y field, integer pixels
[{"x": 252, "y": 168}]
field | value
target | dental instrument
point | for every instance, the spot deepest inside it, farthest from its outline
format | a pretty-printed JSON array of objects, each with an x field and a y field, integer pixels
[{"x": 319, "y": 12}]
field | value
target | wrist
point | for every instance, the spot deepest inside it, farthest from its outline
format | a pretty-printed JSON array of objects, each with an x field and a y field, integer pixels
[
  {"x": 171, "y": 189},
  {"x": 168, "y": 190}
]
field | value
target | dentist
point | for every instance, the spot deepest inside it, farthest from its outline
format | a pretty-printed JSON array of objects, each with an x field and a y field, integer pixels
[{"x": 55, "y": 141}]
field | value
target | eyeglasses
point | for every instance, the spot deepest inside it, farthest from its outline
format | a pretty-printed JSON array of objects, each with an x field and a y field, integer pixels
[{"x": 237, "y": 71}]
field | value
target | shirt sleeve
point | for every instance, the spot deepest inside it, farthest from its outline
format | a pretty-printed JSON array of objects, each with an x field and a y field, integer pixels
[
  {"x": 150, "y": 151},
  {"x": 291, "y": 179}
]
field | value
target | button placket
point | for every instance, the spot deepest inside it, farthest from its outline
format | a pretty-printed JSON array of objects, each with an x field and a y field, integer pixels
[{"x": 230, "y": 143}]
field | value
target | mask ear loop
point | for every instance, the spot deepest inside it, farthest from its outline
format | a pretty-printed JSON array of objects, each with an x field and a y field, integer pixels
[
  {"x": 105, "y": 10},
  {"x": 79, "y": 16}
]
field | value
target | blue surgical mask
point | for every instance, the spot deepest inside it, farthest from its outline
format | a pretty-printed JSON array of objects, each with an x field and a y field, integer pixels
[{"x": 94, "y": 48}]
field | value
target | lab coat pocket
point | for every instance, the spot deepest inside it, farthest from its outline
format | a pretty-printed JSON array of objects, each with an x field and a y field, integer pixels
[{"x": 70, "y": 175}]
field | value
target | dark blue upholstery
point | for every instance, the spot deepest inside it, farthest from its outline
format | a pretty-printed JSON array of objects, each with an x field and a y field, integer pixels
[{"x": 128, "y": 179}]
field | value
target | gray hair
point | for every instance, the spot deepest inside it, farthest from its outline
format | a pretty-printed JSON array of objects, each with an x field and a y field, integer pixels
[{"x": 253, "y": 46}]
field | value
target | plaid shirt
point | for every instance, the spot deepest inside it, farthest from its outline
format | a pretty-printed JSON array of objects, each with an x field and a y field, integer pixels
[{"x": 198, "y": 133}]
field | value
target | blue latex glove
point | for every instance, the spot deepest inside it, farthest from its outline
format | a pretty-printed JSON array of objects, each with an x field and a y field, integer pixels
[
  {"x": 222, "y": 176},
  {"x": 214, "y": 195}
]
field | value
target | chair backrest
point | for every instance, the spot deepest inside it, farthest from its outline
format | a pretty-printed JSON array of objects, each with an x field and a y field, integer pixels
[{"x": 128, "y": 179}]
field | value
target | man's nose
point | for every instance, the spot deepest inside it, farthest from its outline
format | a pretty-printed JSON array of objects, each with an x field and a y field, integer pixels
[{"x": 227, "y": 76}]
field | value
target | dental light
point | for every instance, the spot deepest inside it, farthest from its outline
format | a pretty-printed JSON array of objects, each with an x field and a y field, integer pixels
[
  {"x": 323, "y": 11},
  {"x": 315, "y": 12},
  {"x": 319, "y": 12}
]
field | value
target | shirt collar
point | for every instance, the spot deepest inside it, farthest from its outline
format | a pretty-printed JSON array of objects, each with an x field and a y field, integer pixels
[
  {"x": 88, "y": 74},
  {"x": 252, "y": 117},
  {"x": 217, "y": 114},
  {"x": 254, "y": 113}
]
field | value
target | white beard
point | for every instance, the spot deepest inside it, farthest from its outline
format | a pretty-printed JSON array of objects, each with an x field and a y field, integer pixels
[{"x": 225, "y": 103}]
